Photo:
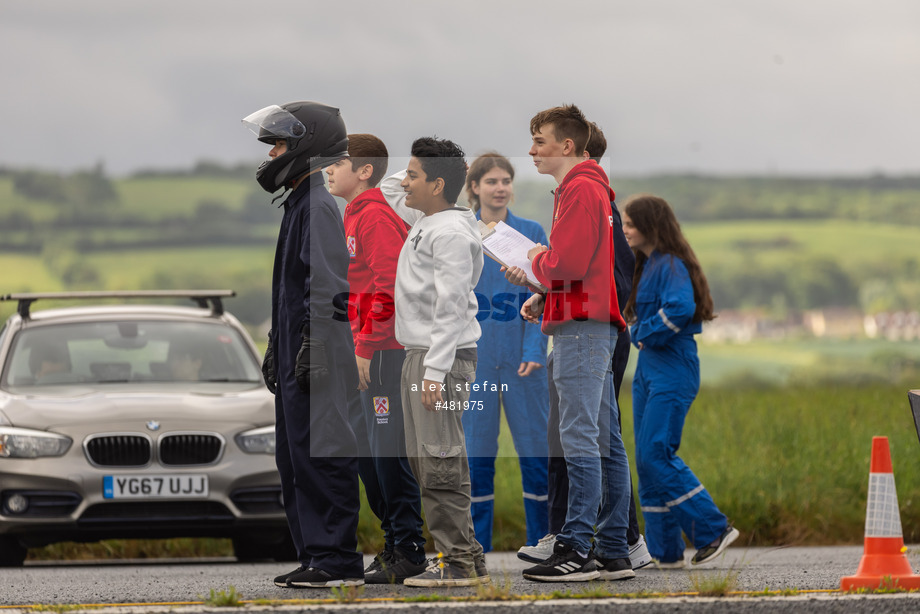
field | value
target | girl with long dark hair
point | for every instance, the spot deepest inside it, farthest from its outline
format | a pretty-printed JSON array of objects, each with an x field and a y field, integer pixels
[{"x": 670, "y": 300}]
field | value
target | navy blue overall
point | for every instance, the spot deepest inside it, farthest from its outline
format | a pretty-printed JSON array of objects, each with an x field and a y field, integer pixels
[{"x": 316, "y": 447}]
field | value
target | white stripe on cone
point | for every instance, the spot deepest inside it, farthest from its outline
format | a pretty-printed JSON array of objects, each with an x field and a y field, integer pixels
[{"x": 883, "y": 519}]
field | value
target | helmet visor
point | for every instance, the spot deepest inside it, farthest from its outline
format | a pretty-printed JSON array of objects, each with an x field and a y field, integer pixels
[{"x": 273, "y": 123}]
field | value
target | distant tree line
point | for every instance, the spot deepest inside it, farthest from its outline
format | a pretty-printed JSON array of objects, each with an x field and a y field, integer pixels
[
  {"x": 89, "y": 188},
  {"x": 203, "y": 169},
  {"x": 87, "y": 214},
  {"x": 705, "y": 198},
  {"x": 876, "y": 198}
]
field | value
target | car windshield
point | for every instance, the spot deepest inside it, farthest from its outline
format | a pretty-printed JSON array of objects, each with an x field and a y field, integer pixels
[{"x": 129, "y": 351}]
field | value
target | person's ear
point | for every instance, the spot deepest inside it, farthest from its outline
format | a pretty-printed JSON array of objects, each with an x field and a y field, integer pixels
[
  {"x": 475, "y": 187},
  {"x": 365, "y": 172},
  {"x": 438, "y": 186},
  {"x": 568, "y": 147}
]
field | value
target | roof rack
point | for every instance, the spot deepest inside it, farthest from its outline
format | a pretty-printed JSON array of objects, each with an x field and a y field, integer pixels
[{"x": 202, "y": 297}]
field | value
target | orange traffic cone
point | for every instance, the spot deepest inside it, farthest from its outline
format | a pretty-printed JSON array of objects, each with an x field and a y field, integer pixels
[{"x": 883, "y": 564}]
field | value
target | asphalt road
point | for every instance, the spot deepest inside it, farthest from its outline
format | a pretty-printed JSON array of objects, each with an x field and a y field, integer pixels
[{"x": 812, "y": 573}]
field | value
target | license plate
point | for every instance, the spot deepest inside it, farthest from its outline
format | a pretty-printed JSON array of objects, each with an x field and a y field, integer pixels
[{"x": 154, "y": 486}]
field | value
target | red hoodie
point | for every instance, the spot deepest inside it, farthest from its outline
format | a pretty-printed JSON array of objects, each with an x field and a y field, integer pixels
[
  {"x": 578, "y": 266},
  {"x": 374, "y": 234}
]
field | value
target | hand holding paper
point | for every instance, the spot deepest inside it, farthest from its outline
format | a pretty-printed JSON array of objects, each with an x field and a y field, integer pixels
[
  {"x": 511, "y": 249},
  {"x": 536, "y": 249}
]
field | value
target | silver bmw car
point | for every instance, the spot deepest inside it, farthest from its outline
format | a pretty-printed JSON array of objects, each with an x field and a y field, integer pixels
[{"x": 135, "y": 421}]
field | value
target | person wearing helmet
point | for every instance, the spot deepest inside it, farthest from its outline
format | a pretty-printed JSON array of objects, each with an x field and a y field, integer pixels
[
  {"x": 309, "y": 364},
  {"x": 313, "y": 137}
]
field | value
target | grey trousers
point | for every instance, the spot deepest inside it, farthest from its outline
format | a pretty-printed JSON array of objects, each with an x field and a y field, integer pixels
[{"x": 436, "y": 451}]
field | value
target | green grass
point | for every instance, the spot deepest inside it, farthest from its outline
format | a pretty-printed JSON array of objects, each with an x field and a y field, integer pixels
[
  {"x": 134, "y": 549},
  {"x": 347, "y": 594},
  {"x": 795, "y": 361},
  {"x": 809, "y": 483},
  {"x": 25, "y": 273},
  {"x": 851, "y": 244},
  {"x": 58, "y": 608},
  {"x": 790, "y": 465},
  {"x": 779, "y": 361},
  {"x": 715, "y": 584},
  {"x": 124, "y": 270},
  {"x": 224, "y": 598}
]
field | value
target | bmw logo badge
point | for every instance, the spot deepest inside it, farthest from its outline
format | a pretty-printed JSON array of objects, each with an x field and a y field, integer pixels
[{"x": 153, "y": 425}]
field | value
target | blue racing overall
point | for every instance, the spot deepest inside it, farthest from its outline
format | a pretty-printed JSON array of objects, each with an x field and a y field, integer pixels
[
  {"x": 507, "y": 341},
  {"x": 666, "y": 381}
]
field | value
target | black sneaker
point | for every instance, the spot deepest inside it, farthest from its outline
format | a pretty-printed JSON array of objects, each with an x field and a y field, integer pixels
[
  {"x": 442, "y": 572},
  {"x": 317, "y": 578},
  {"x": 382, "y": 557},
  {"x": 283, "y": 578},
  {"x": 392, "y": 567},
  {"x": 565, "y": 565},
  {"x": 716, "y": 547},
  {"x": 615, "y": 569}
]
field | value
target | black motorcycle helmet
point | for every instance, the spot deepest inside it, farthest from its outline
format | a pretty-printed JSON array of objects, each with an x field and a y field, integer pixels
[{"x": 315, "y": 135}]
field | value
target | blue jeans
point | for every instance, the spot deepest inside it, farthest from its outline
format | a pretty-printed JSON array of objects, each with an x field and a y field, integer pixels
[{"x": 589, "y": 431}]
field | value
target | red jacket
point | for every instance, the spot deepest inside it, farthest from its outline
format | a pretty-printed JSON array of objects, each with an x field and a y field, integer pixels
[
  {"x": 578, "y": 267},
  {"x": 374, "y": 235}
]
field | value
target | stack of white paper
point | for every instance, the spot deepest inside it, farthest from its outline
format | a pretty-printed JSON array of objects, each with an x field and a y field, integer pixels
[{"x": 509, "y": 248}]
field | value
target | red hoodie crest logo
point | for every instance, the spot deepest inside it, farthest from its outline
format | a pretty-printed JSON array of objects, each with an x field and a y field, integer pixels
[{"x": 352, "y": 246}]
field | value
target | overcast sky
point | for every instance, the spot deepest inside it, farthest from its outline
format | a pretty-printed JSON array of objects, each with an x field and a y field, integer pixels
[{"x": 713, "y": 86}]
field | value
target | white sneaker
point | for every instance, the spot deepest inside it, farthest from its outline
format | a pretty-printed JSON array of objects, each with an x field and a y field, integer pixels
[
  {"x": 638, "y": 554},
  {"x": 539, "y": 553},
  {"x": 678, "y": 564}
]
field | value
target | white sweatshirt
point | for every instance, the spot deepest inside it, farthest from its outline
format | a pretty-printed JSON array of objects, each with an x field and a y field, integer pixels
[{"x": 436, "y": 307}]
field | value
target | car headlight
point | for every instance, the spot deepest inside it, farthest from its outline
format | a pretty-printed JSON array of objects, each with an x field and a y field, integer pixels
[
  {"x": 257, "y": 441},
  {"x": 26, "y": 443}
]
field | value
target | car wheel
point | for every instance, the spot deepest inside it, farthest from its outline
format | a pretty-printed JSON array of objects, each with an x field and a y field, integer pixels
[
  {"x": 12, "y": 553},
  {"x": 264, "y": 547}
]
